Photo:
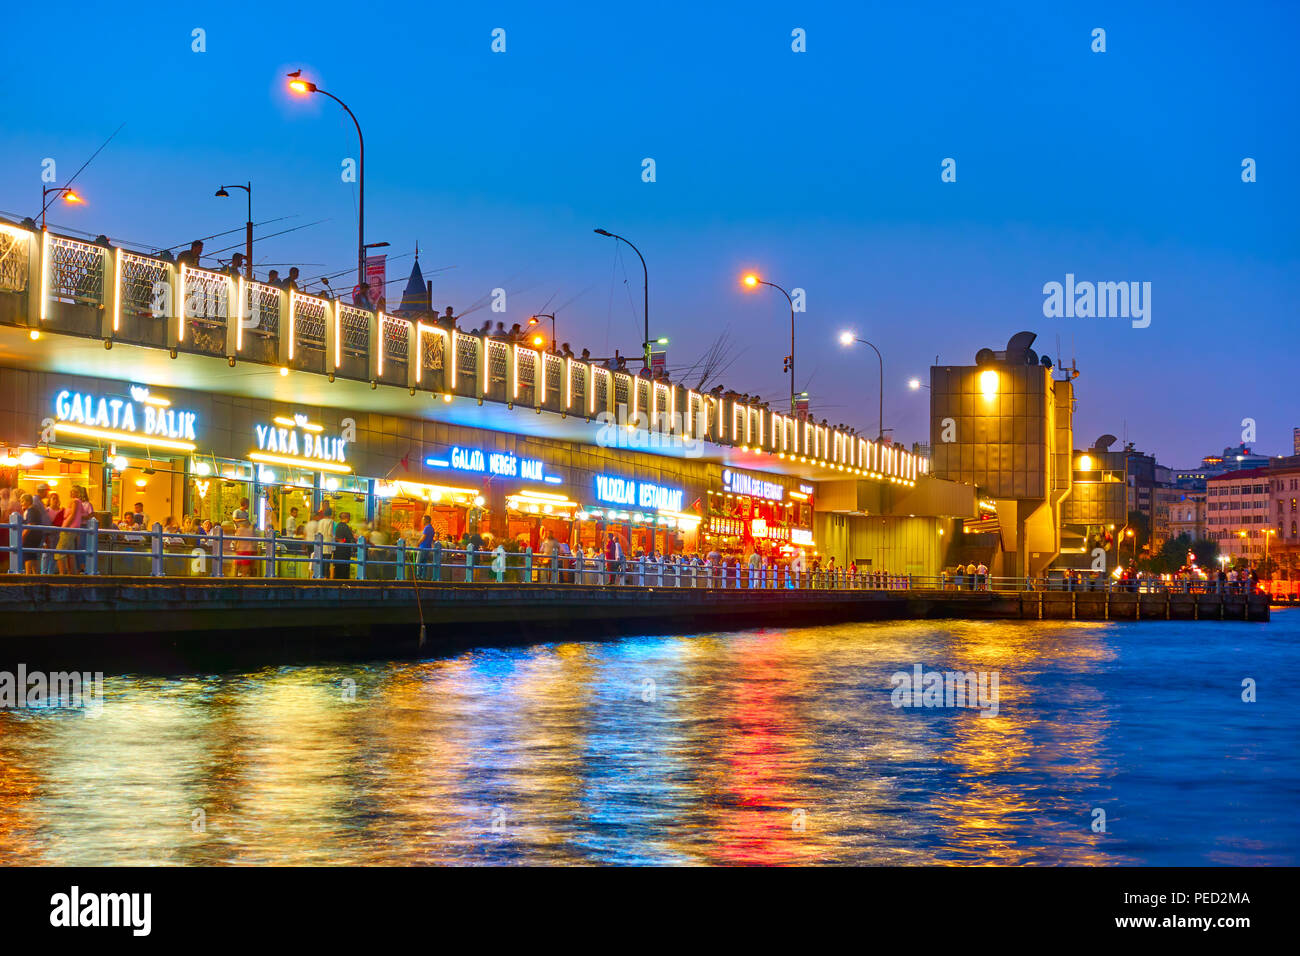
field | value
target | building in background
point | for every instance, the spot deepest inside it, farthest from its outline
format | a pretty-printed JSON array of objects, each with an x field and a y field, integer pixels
[
  {"x": 1178, "y": 511},
  {"x": 1284, "y": 545},
  {"x": 1095, "y": 513},
  {"x": 1004, "y": 425},
  {"x": 1233, "y": 459},
  {"x": 1238, "y": 512}
]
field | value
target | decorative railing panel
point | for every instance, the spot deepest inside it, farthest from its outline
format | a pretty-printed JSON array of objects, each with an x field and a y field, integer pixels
[
  {"x": 144, "y": 284},
  {"x": 355, "y": 330},
  {"x": 467, "y": 362},
  {"x": 76, "y": 271},
  {"x": 206, "y": 305},
  {"x": 14, "y": 245}
]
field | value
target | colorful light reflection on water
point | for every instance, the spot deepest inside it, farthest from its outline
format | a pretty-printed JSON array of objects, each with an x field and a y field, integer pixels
[{"x": 762, "y": 747}]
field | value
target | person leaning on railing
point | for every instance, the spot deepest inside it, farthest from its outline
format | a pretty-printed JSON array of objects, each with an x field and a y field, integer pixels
[
  {"x": 31, "y": 538},
  {"x": 74, "y": 518}
]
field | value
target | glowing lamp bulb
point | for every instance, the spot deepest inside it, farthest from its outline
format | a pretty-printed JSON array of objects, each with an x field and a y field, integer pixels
[
  {"x": 914, "y": 384},
  {"x": 1085, "y": 463},
  {"x": 988, "y": 383},
  {"x": 538, "y": 340},
  {"x": 283, "y": 370},
  {"x": 846, "y": 338},
  {"x": 298, "y": 86},
  {"x": 34, "y": 334},
  {"x": 750, "y": 280},
  {"x": 73, "y": 198}
]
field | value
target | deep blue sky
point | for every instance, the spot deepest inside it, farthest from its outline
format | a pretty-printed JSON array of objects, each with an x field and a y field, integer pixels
[{"x": 821, "y": 169}]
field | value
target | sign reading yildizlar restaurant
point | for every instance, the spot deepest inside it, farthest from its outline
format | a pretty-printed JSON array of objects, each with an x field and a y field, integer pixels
[
  {"x": 139, "y": 414},
  {"x": 300, "y": 438}
]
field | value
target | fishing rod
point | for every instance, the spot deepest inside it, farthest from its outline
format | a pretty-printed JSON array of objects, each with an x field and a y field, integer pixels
[
  {"x": 218, "y": 235},
  {"x": 282, "y": 232},
  {"x": 66, "y": 186}
]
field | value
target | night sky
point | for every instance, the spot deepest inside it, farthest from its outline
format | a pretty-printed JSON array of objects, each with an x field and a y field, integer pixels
[{"x": 820, "y": 169}]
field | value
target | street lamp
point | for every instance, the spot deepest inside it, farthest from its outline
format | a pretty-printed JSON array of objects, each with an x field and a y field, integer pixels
[
  {"x": 645, "y": 311},
  {"x": 751, "y": 281},
  {"x": 847, "y": 339},
  {"x": 915, "y": 383},
  {"x": 304, "y": 87},
  {"x": 535, "y": 319},
  {"x": 248, "y": 226},
  {"x": 69, "y": 197}
]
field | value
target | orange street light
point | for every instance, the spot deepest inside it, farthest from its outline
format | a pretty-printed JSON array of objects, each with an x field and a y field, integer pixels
[
  {"x": 302, "y": 87},
  {"x": 751, "y": 281},
  {"x": 69, "y": 197},
  {"x": 538, "y": 340}
]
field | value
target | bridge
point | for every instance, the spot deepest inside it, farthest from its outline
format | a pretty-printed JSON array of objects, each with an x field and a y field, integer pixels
[{"x": 63, "y": 299}]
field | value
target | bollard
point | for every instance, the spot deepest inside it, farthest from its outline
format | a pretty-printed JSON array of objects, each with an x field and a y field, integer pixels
[
  {"x": 155, "y": 550},
  {"x": 437, "y": 563},
  {"x": 400, "y": 573},
  {"x": 677, "y": 574},
  {"x": 528, "y": 564},
  {"x": 469, "y": 564},
  {"x": 578, "y": 562},
  {"x": 16, "y": 542},
  {"x": 268, "y": 570},
  {"x": 90, "y": 546},
  {"x": 218, "y": 563},
  {"x": 363, "y": 547},
  {"x": 640, "y": 571},
  {"x": 317, "y": 556},
  {"x": 600, "y": 569}
]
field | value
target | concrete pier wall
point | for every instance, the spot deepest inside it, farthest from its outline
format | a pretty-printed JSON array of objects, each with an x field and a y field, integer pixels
[{"x": 176, "y": 622}]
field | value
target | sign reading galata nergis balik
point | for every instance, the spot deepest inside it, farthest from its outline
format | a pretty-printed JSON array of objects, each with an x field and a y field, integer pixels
[
  {"x": 137, "y": 413},
  {"x": 301, "y": 438}
]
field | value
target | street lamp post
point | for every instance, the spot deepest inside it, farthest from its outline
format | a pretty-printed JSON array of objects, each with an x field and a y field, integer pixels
[
  {"x": 848, "y": 338},
  {"x": 303, "y": 87},
  {"x": 533, "y": 319},
  {"x": 645, "y": 311},
  {"x": 753, "y": 282},
  {"x": 69, "y": 196},
  {"x": 248, "y": 226}
]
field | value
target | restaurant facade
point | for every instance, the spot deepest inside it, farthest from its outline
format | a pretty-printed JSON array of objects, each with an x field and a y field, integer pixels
[{"x": 181, "y": 453}]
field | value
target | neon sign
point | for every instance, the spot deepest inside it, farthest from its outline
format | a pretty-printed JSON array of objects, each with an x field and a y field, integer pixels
[
  {"x": 741, "y": 484},
  {"x": 298, "y": 441},
  {"x": 141, "y": 414},
  {"x": 643, "y": 494},
  {"x": 503, "y": 464}
]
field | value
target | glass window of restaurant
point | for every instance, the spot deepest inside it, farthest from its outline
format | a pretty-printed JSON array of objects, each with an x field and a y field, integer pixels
[
  {"x": 24, "y": 468},
  {"x": 345, "y": 494},
  {"x": 531, "y": 515},
  {"x": 400, "y": 507}
]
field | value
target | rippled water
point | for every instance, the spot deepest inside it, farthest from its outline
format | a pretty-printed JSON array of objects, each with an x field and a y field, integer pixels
[{"x": 774, "y": 746}]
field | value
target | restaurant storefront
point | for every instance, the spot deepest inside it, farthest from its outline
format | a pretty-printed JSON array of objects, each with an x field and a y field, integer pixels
[
  {"x": 209, "y": 457},
  {"x": 749, "y": 511}
]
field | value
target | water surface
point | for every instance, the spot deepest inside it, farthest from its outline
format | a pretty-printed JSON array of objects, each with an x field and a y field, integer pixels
[{"x": 773, "y": 746}]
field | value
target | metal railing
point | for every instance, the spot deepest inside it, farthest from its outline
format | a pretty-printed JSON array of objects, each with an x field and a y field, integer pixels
[{"x": 156, "y": 552}]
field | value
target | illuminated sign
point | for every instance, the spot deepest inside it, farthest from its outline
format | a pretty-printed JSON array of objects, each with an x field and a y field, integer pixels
[
  {"x": 729, "y": 526},
  {"x": 117, "y": 418},
  {"x": 801, "y": 536},
  {"x": 643, "y": 494},
  {"x": 297, "y": 441},
  {"x": 739, "y": 483},
  {"x": 806, "y": 489},
  {"x": 503, "y": 464}
]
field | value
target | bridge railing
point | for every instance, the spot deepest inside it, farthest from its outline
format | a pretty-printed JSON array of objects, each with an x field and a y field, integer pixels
[
  {"x": 94, "y": 289},
  {"x": 156, "y": 552}
]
